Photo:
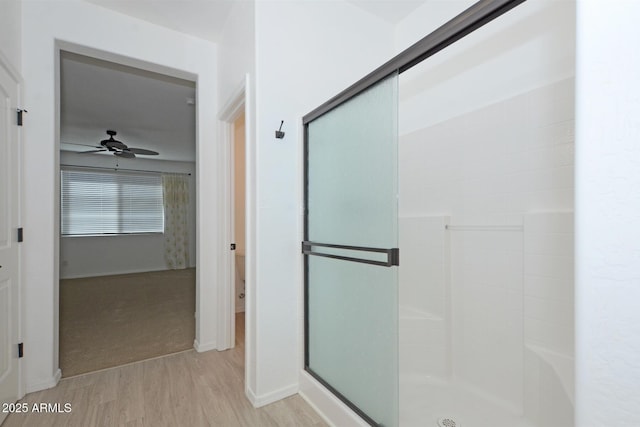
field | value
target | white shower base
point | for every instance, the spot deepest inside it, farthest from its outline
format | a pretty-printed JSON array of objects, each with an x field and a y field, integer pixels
[
  {"x": 424, "y": 401},
  {"x": 426, "y": 392}
]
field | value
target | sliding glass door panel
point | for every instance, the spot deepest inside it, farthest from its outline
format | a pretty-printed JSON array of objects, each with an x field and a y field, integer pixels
[
  {"x": 353, "y": 334},
  {"x": 351, "y": 238},
  {"x": 352, "y": 171}
]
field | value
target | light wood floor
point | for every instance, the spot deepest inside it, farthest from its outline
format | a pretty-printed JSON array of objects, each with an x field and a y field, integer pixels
[
  {"x": 188, "y": 389},
  {"x": 109, "y": 321}
]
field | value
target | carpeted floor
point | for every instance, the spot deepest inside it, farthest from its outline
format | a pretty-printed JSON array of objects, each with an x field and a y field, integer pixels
[{"x": 113, "y": 320}]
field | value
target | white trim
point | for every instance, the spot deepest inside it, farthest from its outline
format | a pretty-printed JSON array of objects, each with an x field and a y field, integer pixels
[
  {"x": 235, "y": 104},
  {"x": 120, "y": 272},
  {"x": 232, "y": 109},
  {"x": 251, "y": 395},
  {"x": 201, "y": 348},
  {"x": 328, "y": 406},
  {"x": 250, "y": 332},
  {"x": 226, "y": 324},
  {"x": 46, "y": 384},
  {"x": 17, "y": 79},
  {"x": 239, "y": 101},
  {"x": 265, "y": 399}
]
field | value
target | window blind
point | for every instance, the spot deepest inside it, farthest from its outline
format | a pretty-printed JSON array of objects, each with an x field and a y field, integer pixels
[{"x": 98, "y": 203}]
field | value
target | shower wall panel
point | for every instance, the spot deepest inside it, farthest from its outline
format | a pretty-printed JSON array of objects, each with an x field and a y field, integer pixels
[
  {"x": 487, "y": 139},
  {"x": 510, "y": 297},
  {"x": 510, "y": 157},
  {"x": 424, "y": 295},
  {"x": 549, "y": 317},
  {"x": 487, "y": 311}
]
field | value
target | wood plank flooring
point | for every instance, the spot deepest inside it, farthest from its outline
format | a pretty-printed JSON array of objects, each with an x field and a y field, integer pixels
[{"x": 187, "y": 389}]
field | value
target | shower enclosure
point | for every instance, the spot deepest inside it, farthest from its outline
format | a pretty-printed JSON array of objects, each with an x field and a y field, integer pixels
[{"x": 465, "y": 163}]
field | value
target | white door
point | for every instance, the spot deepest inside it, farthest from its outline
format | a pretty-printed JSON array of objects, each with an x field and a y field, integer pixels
[{"x": 9, "y": 255}]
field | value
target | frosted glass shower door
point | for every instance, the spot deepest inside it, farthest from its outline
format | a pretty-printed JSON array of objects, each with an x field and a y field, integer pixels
[{"x": 351, "y": 238}]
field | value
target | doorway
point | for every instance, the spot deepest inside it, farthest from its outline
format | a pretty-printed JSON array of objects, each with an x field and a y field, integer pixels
[
  {"x": 127, "y": 214},
  {"x": 236, "y": 326},
  {"x": 239, "y": 224}
]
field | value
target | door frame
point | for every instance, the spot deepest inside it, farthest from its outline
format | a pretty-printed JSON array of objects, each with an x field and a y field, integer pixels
[
  {"x": 238, "y": 102},
  {"x": 17, "y": 79},
  {"x": 117, "y": 58}
]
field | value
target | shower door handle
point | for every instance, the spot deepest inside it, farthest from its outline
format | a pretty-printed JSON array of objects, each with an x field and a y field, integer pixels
[{"x": 341, "y": 252}]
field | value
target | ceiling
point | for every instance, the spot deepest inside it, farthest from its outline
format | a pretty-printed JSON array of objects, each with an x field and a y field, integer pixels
[
  {"x": 148, "y": 110},
  {"x": 200, "y": 18},
  {"x": 206, "y": 18},
  {"x": 392, "y": 11}
]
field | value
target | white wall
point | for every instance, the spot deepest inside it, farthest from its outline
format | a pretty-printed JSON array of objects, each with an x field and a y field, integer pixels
[
  {"x": 10, "y": 36},
  {"x": 111, "y": 36},
  {"x": 607, "y": 206},
  {"x": 306, "y": 52},
  {"x": 236, "y": 61},
  {"x": 104, "y": 255},
  {"x": 236, "y": 49}
]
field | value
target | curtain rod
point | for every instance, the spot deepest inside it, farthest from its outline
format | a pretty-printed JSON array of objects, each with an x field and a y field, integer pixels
[{"x": 122, "y": 169}]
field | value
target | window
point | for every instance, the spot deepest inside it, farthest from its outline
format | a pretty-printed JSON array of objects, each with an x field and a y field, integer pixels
[{"x": 99, "y": 203}]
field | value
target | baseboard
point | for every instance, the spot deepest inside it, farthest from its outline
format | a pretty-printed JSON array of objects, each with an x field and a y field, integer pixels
[
  {"x": 261, "y": 400},
  {"x": 44, "y": 384},
  {"x": 121, "y": 272},
  {"x": 332, "y": 410},
  {"x": 201, "y": 348}
]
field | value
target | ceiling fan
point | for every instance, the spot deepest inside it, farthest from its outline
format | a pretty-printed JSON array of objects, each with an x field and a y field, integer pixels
[{"x": 119, "y": 148}]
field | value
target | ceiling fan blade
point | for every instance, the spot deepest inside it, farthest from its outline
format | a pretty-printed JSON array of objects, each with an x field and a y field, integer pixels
[
  {"x": 125, "y": 154},
  {"x": 143, "y": 151},
  {"x": 79, "y": 145},
  {"x": 92, "y": 151}
]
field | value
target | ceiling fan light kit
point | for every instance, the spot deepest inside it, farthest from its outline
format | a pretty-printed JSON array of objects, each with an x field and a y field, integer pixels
[{"x": 120, "y": 149}]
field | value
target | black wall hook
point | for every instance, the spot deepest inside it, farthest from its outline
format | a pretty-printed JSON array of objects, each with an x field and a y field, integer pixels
[{"x": 279, "y": 133}]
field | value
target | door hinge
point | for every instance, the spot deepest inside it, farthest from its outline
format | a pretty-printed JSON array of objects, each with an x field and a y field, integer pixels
[
  {"x": 233, "y": 246},
  {"x": 20, "y": 111},
  {"x": 20, "y": 235},
  {"x": 20, "y": 350}
]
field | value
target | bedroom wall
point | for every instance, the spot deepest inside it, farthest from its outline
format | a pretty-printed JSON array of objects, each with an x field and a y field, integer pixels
[
  {"x": 99, "y": 256},
  {"x": 487, "y": 139}
]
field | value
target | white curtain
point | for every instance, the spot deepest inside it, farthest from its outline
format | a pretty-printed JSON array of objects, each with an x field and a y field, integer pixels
[{"x": 176, "y": 230}]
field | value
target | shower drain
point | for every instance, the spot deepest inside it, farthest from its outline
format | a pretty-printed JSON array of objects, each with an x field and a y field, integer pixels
[{"x": 447, "y": 422}]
